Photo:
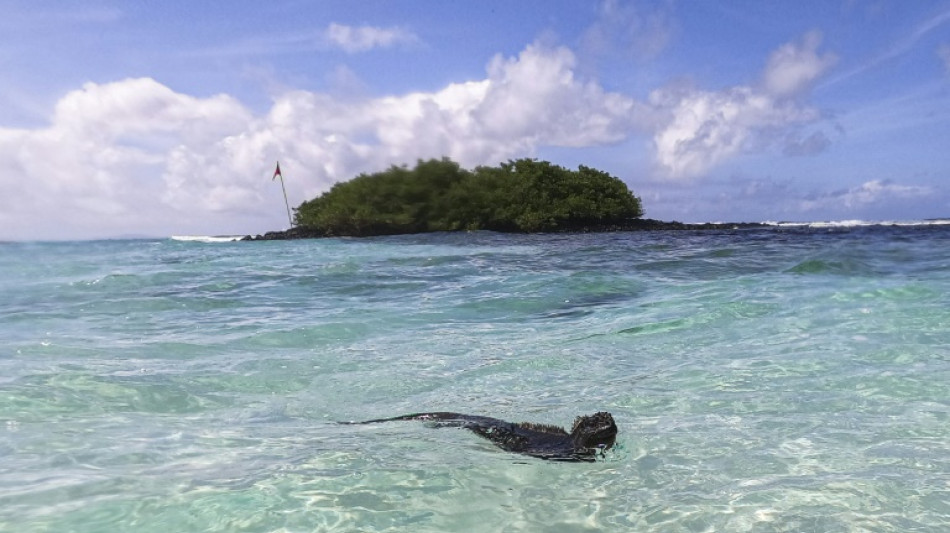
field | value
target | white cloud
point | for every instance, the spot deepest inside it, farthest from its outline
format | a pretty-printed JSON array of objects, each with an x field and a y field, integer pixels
[
  {"x": 795, "y": 66},
  {"x": 703, "y": 128},
  {"x": 524, "y": 102},
  {"x": 353, "y": 39},
  {"x": 143, "y": 109},
  {"x": 99, "y": 163},
  {"x": 537, "y": 98},
  {"x": 134, "y": 156},
  {"x": 706, "y": 128}
]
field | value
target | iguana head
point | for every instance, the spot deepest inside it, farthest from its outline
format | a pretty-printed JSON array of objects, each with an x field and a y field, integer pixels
[{"x": 596, "y": 432}]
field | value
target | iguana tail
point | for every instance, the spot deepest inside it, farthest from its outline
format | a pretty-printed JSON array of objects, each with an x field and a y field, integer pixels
[{"x": 415, "y": 416}]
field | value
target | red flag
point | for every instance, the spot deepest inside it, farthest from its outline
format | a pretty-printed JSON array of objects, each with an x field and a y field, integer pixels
[{"x": 277, "y": 172}]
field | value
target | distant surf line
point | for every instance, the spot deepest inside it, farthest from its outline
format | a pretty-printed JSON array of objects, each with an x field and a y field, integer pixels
[
  {"x": 206, "y": 238},
  {"x": 855, "y": 223}
]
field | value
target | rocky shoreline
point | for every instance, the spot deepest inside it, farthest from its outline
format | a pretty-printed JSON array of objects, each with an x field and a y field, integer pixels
[{"x": 640, "y": 224}]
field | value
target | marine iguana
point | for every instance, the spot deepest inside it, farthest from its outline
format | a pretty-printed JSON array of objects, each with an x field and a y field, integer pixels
[{"x": 590, "y": 435}]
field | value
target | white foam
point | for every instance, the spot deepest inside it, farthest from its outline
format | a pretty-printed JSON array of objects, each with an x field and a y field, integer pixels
[
  {"x": 859, "y": 223},
  {"x": 207, "y": 238}
]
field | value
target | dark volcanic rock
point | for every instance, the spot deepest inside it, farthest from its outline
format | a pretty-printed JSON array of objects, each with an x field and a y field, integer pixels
[
  {"x": 649, "y": 224},
  {"x": 296, "y": 232},
  {"x": 637, "y": 224}
]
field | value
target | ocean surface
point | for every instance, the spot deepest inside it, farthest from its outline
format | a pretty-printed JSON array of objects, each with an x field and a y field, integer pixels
[{"x": 795, "y": 378}]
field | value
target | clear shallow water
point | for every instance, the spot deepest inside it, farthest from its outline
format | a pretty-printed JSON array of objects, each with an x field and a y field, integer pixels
[{"x": 791, "y": 379}]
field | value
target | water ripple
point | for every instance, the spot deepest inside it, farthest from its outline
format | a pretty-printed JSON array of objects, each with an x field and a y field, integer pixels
[{"x": 783, "y": 380}]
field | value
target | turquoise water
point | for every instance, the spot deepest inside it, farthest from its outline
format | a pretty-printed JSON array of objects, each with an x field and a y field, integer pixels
[{"x": 789, "y": 379}]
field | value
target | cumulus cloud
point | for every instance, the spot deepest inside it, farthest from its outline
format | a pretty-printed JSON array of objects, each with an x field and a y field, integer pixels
[
  {"x": 143, "y": 110},
  {"x": 353, "y": 39},
  {"x": 704, "y": 128},
  {"x": 137, "y": 157},
  {"x": 525, "y": 101},
  {"x": 537, "y": 98},
  {"x": 100, "y": 160}
]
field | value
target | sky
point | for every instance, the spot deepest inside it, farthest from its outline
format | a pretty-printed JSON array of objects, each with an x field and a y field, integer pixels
[{"x": 167, "y": 118}]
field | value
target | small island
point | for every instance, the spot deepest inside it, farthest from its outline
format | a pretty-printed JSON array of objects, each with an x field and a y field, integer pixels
[{"x": 520, "y": 196}]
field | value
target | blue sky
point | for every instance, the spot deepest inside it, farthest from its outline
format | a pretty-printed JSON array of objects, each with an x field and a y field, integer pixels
[{"x": 161, "y": 118}]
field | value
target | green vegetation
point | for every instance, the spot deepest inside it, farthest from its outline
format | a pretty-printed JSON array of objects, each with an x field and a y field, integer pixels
[{"x": 438, "y": 195}]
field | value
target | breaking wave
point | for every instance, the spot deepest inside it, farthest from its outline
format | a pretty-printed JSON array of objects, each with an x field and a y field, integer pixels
[{"x": 207, "y": 238}]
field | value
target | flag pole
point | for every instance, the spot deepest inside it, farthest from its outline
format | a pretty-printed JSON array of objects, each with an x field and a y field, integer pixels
[{"x": 286, "y": 203}]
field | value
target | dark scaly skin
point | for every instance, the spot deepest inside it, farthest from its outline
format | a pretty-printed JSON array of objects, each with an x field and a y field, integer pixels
[{"x": 590, "y": 435}]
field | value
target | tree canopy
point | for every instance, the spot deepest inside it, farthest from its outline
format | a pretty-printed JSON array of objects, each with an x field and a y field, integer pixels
[{"x": 524, "y": 195}]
